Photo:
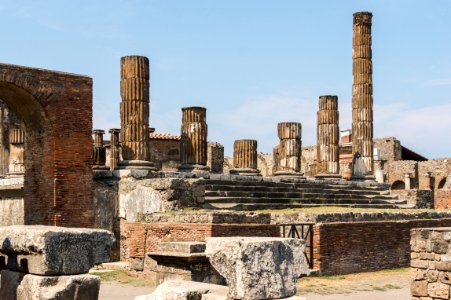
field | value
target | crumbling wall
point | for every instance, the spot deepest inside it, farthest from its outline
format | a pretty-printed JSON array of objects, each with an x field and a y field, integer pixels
[
  {"x": 398, "y": 169},
  {"x": 430, "y": 250},
  {"x": 308, "y": 160}
]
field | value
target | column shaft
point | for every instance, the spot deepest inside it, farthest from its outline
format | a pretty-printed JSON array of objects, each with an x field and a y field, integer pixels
[
  {"x": 194, "y": 133},
  {"x": 328, "y": 135},
  {"x": 362, "y": 90}
]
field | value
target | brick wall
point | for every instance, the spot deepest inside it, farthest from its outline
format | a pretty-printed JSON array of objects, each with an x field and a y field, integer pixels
[
  {"x": 349, "y": 247},
  {"x": 140, "y": 238},
  {"x": 397, "y": 170},
  {"x": 56, "y": 109}
]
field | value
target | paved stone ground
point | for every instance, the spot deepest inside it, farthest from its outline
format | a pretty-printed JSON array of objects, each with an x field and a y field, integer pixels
[{"x": 383, "y": 285}]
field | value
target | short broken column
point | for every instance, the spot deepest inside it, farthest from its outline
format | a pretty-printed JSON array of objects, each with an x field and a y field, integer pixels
[
  {"x": 327, "y": 138},
  {"x": 289, "y": 149},
  {"x": 258, "y": 268},
  {"x": 135, "y": 113},
  {"x": 245, "y": 158},
  {"x": 193, "y": 144},
  {"x": 114, "y": 148},
  {"x": 99, "y": 167},
  {"x": 51, "y": 262}
]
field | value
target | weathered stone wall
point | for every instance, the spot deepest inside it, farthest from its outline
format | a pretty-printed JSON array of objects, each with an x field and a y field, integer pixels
[
  {"x": 398, "y": 169},
  {"x": 165, "y": 154},
  {"x": 418, "y": 198},
  {"x": 430, "y": 263},
  {"x": 265, "y": 163},
  {"x": 390, "y": 148}
]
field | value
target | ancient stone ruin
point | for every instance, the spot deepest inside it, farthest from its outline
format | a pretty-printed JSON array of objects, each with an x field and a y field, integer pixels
[
  {"x": 43, "y": 262},
  {"x": 180, "y": 210}
]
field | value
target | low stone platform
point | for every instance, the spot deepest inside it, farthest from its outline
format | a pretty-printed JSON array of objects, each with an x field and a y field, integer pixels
[{"x": 182, "y": 261}]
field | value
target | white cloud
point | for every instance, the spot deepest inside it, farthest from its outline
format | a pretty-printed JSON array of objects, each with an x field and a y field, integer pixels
[{"x": 438, "y": 82}]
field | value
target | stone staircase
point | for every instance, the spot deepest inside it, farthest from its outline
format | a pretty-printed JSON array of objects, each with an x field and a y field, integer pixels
[{"x": 257, "y": 195}]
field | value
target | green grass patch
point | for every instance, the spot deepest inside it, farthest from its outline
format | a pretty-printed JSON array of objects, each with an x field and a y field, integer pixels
[{"x": 124, "y": 277}]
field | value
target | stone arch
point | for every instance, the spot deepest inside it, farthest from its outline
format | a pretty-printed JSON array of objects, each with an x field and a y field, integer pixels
[
  {"x": 398, "y": 185},
  {"x": 56, "y": 109},
  {"x": 441, "y": 183}
]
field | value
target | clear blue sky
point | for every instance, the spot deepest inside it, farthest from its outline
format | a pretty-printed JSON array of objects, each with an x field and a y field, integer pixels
[{"x": 252, "y": 63}]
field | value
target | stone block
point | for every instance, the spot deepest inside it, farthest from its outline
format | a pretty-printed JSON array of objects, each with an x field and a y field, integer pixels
[
  {"x": 419, "y": 288},
  {"x": 185, "y": 290},
  {"x": 438, "y": 290},
  {"x": 258, "y": 268},
  {"x": 21, "y": 286},
  {"x": 182, "y": 247},
  {"x": 48, "y": 250}
]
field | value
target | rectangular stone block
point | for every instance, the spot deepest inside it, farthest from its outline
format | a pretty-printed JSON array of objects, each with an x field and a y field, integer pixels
[
  {"x": 182, "y": 247},
  {"x": 48, "y": 250},
  {"x": 21, "y": 286}
]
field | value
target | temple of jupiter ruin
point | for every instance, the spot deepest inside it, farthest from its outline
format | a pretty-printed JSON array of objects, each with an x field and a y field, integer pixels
[
  {"x": 193, "y": 146},
  {"x": 135, "y": 112},
  {"x": 245, "y": 158},
  {"x": 327, "y": 138},
  {"x": 114, "y": 147},
  {"x": 288, "y": 156},
  {"x": 99, "y": 156},
  {"x": 362, "y": 91}
]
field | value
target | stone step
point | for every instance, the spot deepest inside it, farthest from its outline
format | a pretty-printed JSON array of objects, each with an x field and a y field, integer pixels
[
  {"x": 266, "y": 206},
  {"x": 305, "y": 184},
  {"x": 323, "y": 201},
  {"x": 297, "y": 195},
  {"x": 213, "y": 188}
]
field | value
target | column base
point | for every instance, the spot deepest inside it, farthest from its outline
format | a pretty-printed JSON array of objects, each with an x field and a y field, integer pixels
[
  {"x": 134, "y": 168},
  {"x": 326, "y": 176},
  {"x": 194, "y": 168},
  {"x": 245, "y": 172},
  {"x": 101, "y": 172}
]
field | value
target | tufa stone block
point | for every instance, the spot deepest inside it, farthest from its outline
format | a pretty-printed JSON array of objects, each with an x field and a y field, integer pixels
[
  {"x": 258, "y": 268},
  {"x": 21, "y": 286},
  {"x": 48, "y": 250}
]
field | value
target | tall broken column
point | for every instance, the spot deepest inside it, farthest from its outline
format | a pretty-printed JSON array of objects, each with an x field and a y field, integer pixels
[
  {"x": 245, "y": 158},
  {"x": 193, "y": 144},
  {"x": 327, "y": 138},
  {"x": 289, "y": 149},
  {"x": 135, "y": 112},
  {"x": 362, "y": 90},
  {"x": 16, "y": 150}
]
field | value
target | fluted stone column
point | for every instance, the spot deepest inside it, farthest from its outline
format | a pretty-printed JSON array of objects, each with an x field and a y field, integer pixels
[
  {"x": 114, "y": 147},
  {"x": 135, "y": 112},
  {"x": 289, "y": 149},
  {"x": 362, "y": 90},
  {"x": 193, "y": 144},
  {"x": 327, "y": 138},
  {"x": 245, "y": 158},
  {"x": 16, "y": 151}
]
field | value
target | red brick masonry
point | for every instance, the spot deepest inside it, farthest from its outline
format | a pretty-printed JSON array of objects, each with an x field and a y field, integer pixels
[{"x": 56, "y": 109}]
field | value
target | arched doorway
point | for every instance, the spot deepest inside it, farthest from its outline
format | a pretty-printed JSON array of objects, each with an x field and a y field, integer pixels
[
  {"x": 398, "y": 185},
  {"x": 56, "y": 109},
  {"x": 441, "y": 183}
]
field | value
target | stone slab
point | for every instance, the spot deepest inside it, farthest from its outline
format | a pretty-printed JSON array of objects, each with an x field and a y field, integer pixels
[
  {"x": 21, "y": 286},
  {"x": 49, "y": 250},
  {"x": 183, "y": 290},
  {"x": 182, "y": 247},
  {"x": 258, "y": 268}
]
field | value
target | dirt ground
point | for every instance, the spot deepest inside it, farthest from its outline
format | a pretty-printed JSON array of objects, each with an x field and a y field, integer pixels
[{"x": 382, "y": 285}]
